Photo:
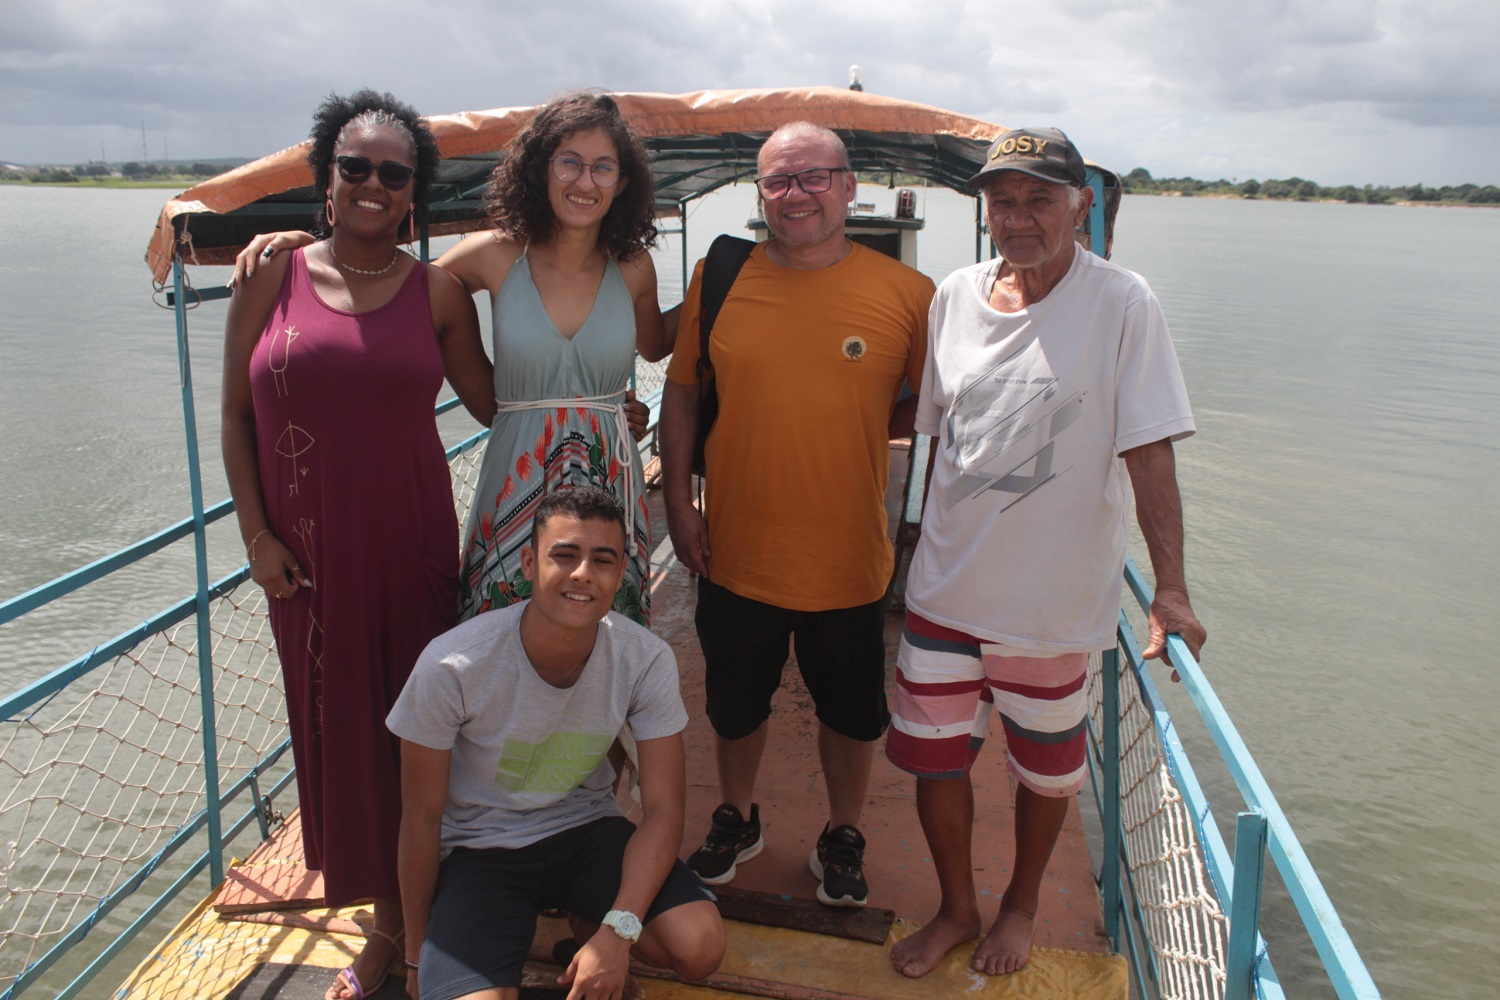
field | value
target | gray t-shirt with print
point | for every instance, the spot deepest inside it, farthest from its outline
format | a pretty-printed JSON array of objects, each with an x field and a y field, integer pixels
[{"x": 529, "y": 758}]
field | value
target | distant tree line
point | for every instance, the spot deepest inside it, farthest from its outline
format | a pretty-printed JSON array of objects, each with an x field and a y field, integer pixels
[
  {"x": 1140, "y": 181},
  {"x": 130, "y": 171}
]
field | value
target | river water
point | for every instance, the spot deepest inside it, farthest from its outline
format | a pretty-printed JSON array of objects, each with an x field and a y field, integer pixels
[{"x": 1342, "y": 497}]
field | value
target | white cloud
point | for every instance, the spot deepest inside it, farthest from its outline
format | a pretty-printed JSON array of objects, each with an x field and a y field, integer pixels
[{"x": 1377, "y": 91}]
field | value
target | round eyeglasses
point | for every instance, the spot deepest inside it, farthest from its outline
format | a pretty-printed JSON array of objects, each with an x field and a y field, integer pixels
[
  {"x": 814, "y": 180},
  {"x": 393, "y": 176},
  {"x": 604, "y": 173}
]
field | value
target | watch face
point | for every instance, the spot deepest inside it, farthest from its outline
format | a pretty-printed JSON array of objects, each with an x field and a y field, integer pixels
[{"x": 625, "y": 924}]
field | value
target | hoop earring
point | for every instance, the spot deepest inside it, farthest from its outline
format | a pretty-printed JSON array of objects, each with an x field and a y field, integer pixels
[
  {"x": 328, "y": 212},
  {"x": 411, "y": 225}
]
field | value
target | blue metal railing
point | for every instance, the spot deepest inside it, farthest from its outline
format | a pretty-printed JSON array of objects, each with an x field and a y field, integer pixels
[
  {"x": 1261, "y": 829},
  {"x": 66, "y": 584}
]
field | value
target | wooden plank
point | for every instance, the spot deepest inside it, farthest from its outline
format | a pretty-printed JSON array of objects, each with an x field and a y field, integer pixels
[
  {"x": 256, "y": 888},
  {"x": 870, "y": 924}
]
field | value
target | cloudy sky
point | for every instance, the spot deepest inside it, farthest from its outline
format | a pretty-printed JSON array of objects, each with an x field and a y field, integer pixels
[{"x": 1337, "y": 91}]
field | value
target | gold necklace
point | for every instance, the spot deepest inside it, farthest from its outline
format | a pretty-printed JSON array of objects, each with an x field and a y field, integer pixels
[{"x": 395, "y": 255}]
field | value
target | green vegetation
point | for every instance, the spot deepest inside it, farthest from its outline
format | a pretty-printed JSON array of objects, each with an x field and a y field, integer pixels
[
  {"x": 126, "y": 175},
  {"x": 1140, "y": 181}
]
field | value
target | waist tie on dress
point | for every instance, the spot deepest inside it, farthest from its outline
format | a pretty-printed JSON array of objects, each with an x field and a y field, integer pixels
[{"x": 623, "y": 441}]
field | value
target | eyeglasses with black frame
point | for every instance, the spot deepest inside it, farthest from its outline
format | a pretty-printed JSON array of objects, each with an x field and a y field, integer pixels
[
  {"x": 813, "y": 180},
  {"x": 568, "y": 168},
  {"x": 356, "y": 170}
]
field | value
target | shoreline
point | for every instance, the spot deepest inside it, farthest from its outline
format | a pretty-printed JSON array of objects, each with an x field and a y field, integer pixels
[
  {"x": 119, "y": 183},
  {"x": 185, "y": 184},
  {"x": 1303, "y": 201}
]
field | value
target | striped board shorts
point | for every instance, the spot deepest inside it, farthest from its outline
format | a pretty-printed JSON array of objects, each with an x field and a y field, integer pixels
[{"x": 947, "y": 682}]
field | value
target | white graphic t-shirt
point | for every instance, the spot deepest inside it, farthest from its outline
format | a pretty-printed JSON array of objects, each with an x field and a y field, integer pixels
[
  {"x": 1024, "y": 530},
  {"x": 529, "y": 759}
]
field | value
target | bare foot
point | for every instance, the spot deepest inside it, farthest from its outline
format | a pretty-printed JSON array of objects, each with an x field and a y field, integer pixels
[
  {"x": 919, "y": 954},
  {"x": 371, "y": 967},
  {"x": 1008, "y": 944}
]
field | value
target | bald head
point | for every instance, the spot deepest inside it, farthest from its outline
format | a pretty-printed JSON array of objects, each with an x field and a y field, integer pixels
[{"x": 805, "y": 134}]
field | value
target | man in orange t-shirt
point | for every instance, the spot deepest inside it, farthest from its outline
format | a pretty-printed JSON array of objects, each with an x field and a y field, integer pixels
[{"x": 810, "y": 352}]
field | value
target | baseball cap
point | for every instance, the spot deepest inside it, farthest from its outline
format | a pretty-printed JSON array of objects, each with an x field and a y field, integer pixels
[{"x": 1041, "y": 152}]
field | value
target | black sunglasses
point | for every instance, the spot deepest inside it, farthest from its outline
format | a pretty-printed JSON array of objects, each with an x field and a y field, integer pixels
[{"x": 393, "y": 176}]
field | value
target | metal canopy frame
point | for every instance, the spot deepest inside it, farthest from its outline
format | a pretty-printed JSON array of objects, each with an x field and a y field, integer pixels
[{"x": 698, "y": 142}]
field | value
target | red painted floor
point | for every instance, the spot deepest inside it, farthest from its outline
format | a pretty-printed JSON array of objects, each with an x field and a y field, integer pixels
[{"x": 793, "y": 806}]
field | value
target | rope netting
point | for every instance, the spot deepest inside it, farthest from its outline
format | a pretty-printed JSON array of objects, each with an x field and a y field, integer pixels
[
  {"x": 1185, "y": 928},
  {"x": 650, "y": 376},
  {"x": 96, "y": 779},
  {"x": 100, "y": 776},
  {"x": 464, "y": 470}
]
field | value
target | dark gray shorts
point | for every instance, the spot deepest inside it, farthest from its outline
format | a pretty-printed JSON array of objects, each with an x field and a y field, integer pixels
[{"x": 484, "y": 914}]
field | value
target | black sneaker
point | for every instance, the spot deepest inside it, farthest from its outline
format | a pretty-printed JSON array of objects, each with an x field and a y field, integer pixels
[
  {"x": 730, "y": 840},
  {"x": 839, "y": 862}
]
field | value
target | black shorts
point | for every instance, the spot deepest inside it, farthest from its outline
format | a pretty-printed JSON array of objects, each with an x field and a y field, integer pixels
[
  {"x": 484, "y": 913},
  {"x": 841, "y": 654}
]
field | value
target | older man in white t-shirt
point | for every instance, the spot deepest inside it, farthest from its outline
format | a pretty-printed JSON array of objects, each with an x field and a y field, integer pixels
[{"x": 1054, "y": 392}]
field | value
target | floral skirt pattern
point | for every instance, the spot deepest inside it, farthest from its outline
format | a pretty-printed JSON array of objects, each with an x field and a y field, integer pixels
[{"x": 573, "y": 447}]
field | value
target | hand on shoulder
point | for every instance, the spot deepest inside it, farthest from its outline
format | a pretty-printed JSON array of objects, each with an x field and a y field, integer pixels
[{"x": 261, "y": 294}]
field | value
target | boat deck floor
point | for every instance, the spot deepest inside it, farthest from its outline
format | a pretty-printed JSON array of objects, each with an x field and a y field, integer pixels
[{"x": 805, "y": 950}]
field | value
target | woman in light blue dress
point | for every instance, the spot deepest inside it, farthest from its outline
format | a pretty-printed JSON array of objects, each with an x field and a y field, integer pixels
[{"x": 574, "y": 297}]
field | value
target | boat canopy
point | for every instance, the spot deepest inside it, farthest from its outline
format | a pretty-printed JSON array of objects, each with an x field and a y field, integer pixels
[{"x": 698, "y": 142}]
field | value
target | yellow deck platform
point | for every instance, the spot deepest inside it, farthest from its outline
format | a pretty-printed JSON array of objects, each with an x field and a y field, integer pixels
[
  {"x": 208, "y": 956},
  {"x": 211, "y": 956}
]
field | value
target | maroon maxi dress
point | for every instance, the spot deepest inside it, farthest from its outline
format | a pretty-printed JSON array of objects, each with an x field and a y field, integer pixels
[{"x": 356, "y": 485}]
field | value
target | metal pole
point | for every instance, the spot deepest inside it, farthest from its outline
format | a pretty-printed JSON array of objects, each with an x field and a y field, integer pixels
[
  {"x": 1244, "y": 907},
  {"x": 1109, "y": 868},
  {"x": 978, "y": 230},
  {"x": 1096, "y": 214},
  {"x": 200, "y": 548},
  {"x": 682, "y": 214}
]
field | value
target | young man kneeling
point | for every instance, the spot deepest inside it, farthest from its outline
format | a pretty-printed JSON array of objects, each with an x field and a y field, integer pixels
[{"x": 507, "y": 792}]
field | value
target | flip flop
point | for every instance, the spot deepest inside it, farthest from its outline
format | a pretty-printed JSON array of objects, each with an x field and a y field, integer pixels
[{"x": 352, "y": 981}]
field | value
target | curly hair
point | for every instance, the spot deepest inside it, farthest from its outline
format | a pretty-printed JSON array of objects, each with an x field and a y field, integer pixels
[
  {"x": 367, "y": 108},
  {"x": 516, "y": 197}
]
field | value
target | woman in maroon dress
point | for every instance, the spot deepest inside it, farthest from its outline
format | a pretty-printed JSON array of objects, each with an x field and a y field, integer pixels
[{"x": 334, "y": 356}]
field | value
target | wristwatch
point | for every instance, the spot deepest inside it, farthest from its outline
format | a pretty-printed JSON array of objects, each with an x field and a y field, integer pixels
[{"x": 625, "y": 924}]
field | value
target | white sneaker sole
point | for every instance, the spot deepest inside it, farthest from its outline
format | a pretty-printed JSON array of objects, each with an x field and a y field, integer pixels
[
  {"x": 745, "y": 855},
  {"x": 816, "y": 867}
]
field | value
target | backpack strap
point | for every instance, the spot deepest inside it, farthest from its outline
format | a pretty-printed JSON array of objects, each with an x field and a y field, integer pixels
[
  {"x": 725, "y": 257},
  {"x": 722, "y": 265}
]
